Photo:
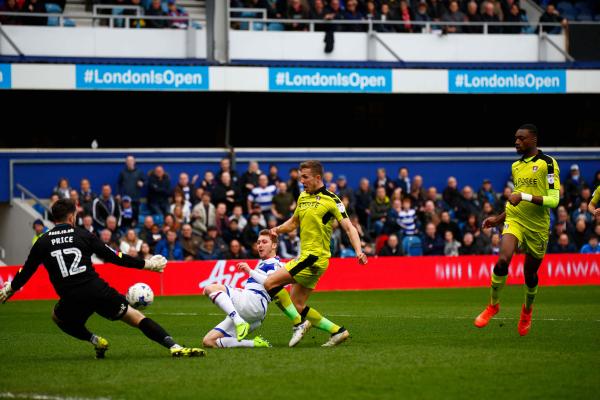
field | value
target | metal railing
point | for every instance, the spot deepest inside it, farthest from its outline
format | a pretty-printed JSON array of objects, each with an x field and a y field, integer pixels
[
  {"x": 37, "y": 200},
  {"x": 192, "y": 22},
  {"x": 260, "y": 22}
]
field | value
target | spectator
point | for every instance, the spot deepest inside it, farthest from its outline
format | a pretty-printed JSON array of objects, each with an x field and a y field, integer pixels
[
  {"x": 106, "y": 236},
  {"x": 422, "y": 15},
  {"x": 190, "y": 243},
  {"x": 13, "y": 7},
  {"x": 592, "y": 245},
  {"x": 468, "y": 204},
  {"x": 294, "y": 185},
  {"x": 344, "y": 190},
  {"x": 474, "y": 17},
  {"x": 235, "y": 251},
  {"x": 364, "y": 196},
  {"x": 382, "y": 180},
  {"x": 86, "y": 196},
  {"x": 484, "y": 241},
  {"x": 581, "y": 233},
  {"x": 156, "y": 237},
  {"x": 563, "y": 245},
  {"x": 39, "y": 228},
  {"x": 249, "y": 179},
  {"x": 296, "y": 10},
  {"x": 233, "y": 232},
  {"x": 135, "y": 23},
  {"x": 185, "y": 187},
  {"x": 472, "y": 225},
  {"x": 437, "y": 9},
  {"x": 500, "y": 204},
  {"x": 170, "y": 224},
  {"x": 130, "y": 183},
  {"x": 156, "y": 10},
  {"x": 378, "y": 210},
  {"x": 318, "y": 11},
  {"x": 274, "y": 177},
  {"x": 198, "y": 193},
  {"x": 221, "y": 219},
  {"x": 391, "y": 247},
  {"x": 453, "y": 15},
  {"x": 53, "y": 199},
  {"x": 405, "y": 14},
  {"x": 105, "y": 206},
  {"x": 263, "y": 195},
  {"x": 257, "y": 210},
  {"x": 283, "y": 203},
  {"x": 37, "y": 7},
  {"x": 408, "y": 218},
  {"x": 486, "y": 192},
  {"x": 227, "y": 191},
  {"x": 429, "y": 214},
  {"x": 170, "y": 248},
  {"x": 468, "y": 247},
  {"x": 209, "y": 182},
  {"x": 208, "y": 251},
  {"x": 159, "y": 190},
  {"x": 146, "y": 231},
  {"x": 113, "y": 227},
  {"x": 513, "y": 15},
  {"x": 451, "y": 245},
  {"x": 486, "y": 211},
  {"x": 552, "y": 16},
  {"x": 562, "y": 224},
  {"x": 174, "y": 11},
  {"x": 238, "y": 215},
  {"x": 88, "y": 223},
  {"x": 127, "y": 214},
  {"x": 451, "y": 195},
  {"x": 289, "y": 246},
  {"x": 384, "y": 15},
  {"x": 489, "y": 15},
  {"x": 145, "y": 252},
  {"x": 62, "y": 189},
  {"x": 251, "y": 231},
  {"x": 433, "y": 245},
  {"x": 574, "y": 184},
  {"x": 204, "y": 214},
  {"x": 80, "y": 212},
  {"x": 438, "y": 203},
  {"x": 184, "y": 205},
  {"x": 417, "y": 192},
  {"x": 130, "y": 244},
  {"x": 447, "y": 225},
  {"x": 225, "y": 166},
  {"x": 582, "y": 212},
  {"x": 178, "y": 214}
]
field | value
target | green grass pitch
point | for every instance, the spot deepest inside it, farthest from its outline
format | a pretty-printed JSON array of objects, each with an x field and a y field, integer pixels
[{"x": 410, "y": 344}]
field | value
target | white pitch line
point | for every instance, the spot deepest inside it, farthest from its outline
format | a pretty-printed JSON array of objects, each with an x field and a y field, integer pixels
[
  {"x": 396, "y": 316},
  {"x": 38, "y": 396}
]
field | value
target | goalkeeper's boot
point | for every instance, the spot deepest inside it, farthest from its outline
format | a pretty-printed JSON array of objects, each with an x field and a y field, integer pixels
[
  {"x": 525, "y": 321},
  {"x": 242, "y": 330},
  {"x": 261, "y": 342},
  {"x": 484, "y": 318},
  {"x": 101, "y": 347},
  {"x": 337, "y": 338},
  {"x": 298, "y": 332},
  {"x": 187, "y": 352}
]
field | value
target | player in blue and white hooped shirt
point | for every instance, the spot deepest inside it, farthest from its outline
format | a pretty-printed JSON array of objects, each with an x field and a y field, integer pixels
[{"x": 245, "y": 308}]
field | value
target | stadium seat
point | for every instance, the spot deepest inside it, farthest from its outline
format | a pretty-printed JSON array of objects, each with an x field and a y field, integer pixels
[
  {"x": 584, "y": 17},
  {"x": 583, "y": 7},
  {"x": 118, "y": 22},
  {"x": 52, "y": 8},
  {"x": 275, "y": 27},
  {"x": 564, "y": 7},
  {"x": 570, "y": 15},
  {"x": 158, "y": 219},
  {"x": 412, "y": 246}
]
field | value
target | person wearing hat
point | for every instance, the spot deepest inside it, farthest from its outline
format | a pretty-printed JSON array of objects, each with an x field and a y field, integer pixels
[
  {"x": 573, "y": 184},
  {"x": 127, "y": 213},
  {"x": 486, "y": 192},
  {"x": 343, "y": 190},
  {"x": 39, "y": 228}
]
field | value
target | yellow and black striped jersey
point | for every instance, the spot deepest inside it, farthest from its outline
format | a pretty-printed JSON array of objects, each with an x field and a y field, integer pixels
[
  {"x": 315, "y": 212},
  {"x": 535, "y": 176}
]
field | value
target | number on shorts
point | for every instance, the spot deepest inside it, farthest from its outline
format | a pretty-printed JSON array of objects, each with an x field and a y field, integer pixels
[{"x": 75, "y": 267}]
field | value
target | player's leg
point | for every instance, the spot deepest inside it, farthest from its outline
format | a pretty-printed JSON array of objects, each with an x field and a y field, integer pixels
[
  {"x": 71, "y": 316},
  {"x": 222, "y": 336},
  {"x": 510, "y": 241},
  {"x": 221, "y": 297},
  {"x": 157, "y": 333},
  {"x": 530, "y": 269}
]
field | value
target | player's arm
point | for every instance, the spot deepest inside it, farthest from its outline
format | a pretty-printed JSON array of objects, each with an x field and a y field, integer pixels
[
  {"x": 288, "y": 226},
  {"x": 552, "y": 197},
  {"x": 258, "y": 276},
  {"x": 24, "y": 274},
  {"x": 354, "y": 239},
  {"x": 156, "y": 263},
  {"x": 492, "y": 221},
  {"x": 593, "y": 204}
]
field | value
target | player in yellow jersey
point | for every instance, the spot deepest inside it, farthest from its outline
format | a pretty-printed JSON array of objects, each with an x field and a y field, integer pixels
[
  {"x": 314, "y": 214},
  {"x": 593, "y": 204},
  {"x": 526, "y": 222}
]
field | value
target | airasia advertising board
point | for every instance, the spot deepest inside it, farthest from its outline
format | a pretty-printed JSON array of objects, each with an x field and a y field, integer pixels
[{"x": 189, "y": 278}]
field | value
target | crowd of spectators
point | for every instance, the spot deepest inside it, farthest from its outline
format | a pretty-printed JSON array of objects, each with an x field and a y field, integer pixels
[
  {"x": 409, "y": 15},
  {"x": 220, "y": 214}
]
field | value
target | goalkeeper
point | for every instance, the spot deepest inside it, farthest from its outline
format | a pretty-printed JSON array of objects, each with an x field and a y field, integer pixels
[{"x": 66, "y": 253}]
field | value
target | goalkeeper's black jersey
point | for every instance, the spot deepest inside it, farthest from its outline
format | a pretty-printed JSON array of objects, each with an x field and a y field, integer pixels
[{"x": 66, "y": 253}]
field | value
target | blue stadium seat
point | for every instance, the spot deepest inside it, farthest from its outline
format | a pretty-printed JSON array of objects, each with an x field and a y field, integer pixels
[
  {"x": 583, "y": 7},
  {"x": 120, "y": 22},
  {"x": 275, "y": 27},
  {"x": 52, "y": 8},
  {"x": 584, "y": 17},
  {"x": 158, "y": 219},
  {"x": 411, "y": 246},
  {"x": 570, "y": 15},
  {"x": 564, "y": 6}
]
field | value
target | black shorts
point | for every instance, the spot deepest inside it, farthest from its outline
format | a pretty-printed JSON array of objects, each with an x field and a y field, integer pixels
[{"x": 92, "y": 297}]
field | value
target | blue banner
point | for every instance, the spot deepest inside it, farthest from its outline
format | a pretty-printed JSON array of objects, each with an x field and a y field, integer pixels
[
  {"x": 133, "y": 77},
  {"x": 5, "y": 76},
  {"x": 330, "y": 80},
  {"x": 507, "y": 81}
]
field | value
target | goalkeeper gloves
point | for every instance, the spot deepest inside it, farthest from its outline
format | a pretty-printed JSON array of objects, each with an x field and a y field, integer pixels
[
  {"x": 156, "y": 263},
  {"x": 6, "y": 292}
]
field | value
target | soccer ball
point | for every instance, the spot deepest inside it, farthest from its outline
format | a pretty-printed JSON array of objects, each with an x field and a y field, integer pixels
[{"x": 140, "y": 296}]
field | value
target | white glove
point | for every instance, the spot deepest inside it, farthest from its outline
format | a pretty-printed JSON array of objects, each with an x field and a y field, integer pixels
[
  {"x": 156, "y": 263},
  {"x": 6, "y": 292}
]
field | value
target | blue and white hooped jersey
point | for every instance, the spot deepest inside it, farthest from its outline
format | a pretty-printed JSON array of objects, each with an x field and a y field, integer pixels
[{"x": 265, "y": 267}]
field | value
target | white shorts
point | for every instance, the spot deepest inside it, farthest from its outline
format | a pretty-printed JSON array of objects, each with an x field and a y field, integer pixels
[{"x": 251, "y": 306}]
